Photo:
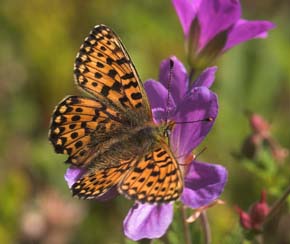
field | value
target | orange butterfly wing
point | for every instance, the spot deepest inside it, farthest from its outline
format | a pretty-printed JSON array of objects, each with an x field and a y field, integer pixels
[
  {"x": 104, "y": 69},
  {"x": 155, "y": 178},
  {"x": 98, "y": 181},
  {"x": 74, "y": 120}
]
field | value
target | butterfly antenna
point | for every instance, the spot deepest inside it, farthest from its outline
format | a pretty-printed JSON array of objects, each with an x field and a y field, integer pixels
[
  {"x": 171, "y": 64},
  {"x": 195, "y": 156},
  {"x": 209, "y": 119},
  {"x": 200, "y": 152}
]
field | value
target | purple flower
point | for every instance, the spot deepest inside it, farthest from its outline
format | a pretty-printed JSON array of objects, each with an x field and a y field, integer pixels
[
  {"x": 213, "y": 26},
  {"x": 203, "y": 182}
]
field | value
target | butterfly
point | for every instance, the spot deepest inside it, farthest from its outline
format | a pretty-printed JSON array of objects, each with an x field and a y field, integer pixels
[{"x": 111, "y": 134}]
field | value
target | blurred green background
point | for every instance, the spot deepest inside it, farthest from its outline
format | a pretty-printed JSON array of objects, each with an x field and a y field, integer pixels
[{"x": 38, "y": 44}]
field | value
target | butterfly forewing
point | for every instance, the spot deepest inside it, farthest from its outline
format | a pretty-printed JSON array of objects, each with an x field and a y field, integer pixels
[
  {"x": 73, "y": 122},
  {"x": 104, "y": 69}
]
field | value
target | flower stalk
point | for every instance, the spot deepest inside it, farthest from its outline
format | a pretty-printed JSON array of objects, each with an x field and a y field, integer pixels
[
  {"x": 206, "y": 227},
  {"x": 187, "y": 236},
  {"x": 276, "y": 206}
]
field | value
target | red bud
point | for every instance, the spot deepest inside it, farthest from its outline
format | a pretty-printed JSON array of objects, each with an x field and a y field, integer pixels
[
  {"x": 256, "y": 216},
  {"x": 260, "y": 125}
]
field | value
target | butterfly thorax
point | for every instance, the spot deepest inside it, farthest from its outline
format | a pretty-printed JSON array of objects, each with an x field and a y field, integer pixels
[{"x": 137, "y": 136}]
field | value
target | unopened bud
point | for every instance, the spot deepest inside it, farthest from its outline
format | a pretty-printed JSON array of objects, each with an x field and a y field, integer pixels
[
  {"x": 259, "y": 211},
  {"x": 260, "y": 125},
  {"x": 255, "y": 218}
]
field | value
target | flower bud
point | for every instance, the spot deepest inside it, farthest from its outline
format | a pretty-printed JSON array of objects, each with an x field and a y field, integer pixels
[
  {"x": 255, "y": 218},
  {"x": 245, "y": 220},
  {"x": 260, "y": 125},
  {"x": 259, "y": 211}
]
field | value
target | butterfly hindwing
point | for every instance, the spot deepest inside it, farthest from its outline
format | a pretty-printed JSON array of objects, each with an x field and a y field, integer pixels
[
  {"x": 99, "y": 181},
  {"x": 104, "y": 69},
  {"x": 156, "y": 177},
  {"x": 73, "y": 122}
]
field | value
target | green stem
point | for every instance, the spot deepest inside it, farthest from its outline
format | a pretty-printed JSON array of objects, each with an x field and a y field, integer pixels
[
  {"x": 259, "y": 239},
  {"x": 191, "y": 75},
  {"x": 206, "y": 227},
  {"x": 165, "y": 239},
  {"x": 276, "y": 206},
  {"x": 187, "y": 237},
  {"x": 145, "y": 241}
]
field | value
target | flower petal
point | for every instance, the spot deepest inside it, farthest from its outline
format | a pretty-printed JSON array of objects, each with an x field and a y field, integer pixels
[
  {"x": 216, "y": 16},
  {"x": 186, "y": 11},
  {"x": 110, "y": 194},
  {"x": 245, "y": 30},
  {"x": 159, "y": 115},
  {"x": 178, "y": 81},
  {"x": 158, "y": 95},
  {"x": 206, "y": 78},
  {"x": 203, "y": 184},
  {"x": 73, "y": 174},
  {"x": 199, "y": 104},
  {"x": 147, "y": 221}
]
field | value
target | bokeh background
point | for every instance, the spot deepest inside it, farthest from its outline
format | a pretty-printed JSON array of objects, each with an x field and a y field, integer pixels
[{"x": 38, "y": 43}]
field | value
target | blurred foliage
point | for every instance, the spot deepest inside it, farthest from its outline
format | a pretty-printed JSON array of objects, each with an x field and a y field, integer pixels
[{"x": 38, "y": 43}]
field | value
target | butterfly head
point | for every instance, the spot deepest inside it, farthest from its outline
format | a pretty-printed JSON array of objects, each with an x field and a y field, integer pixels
[{"x": 167, "y": 127}]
